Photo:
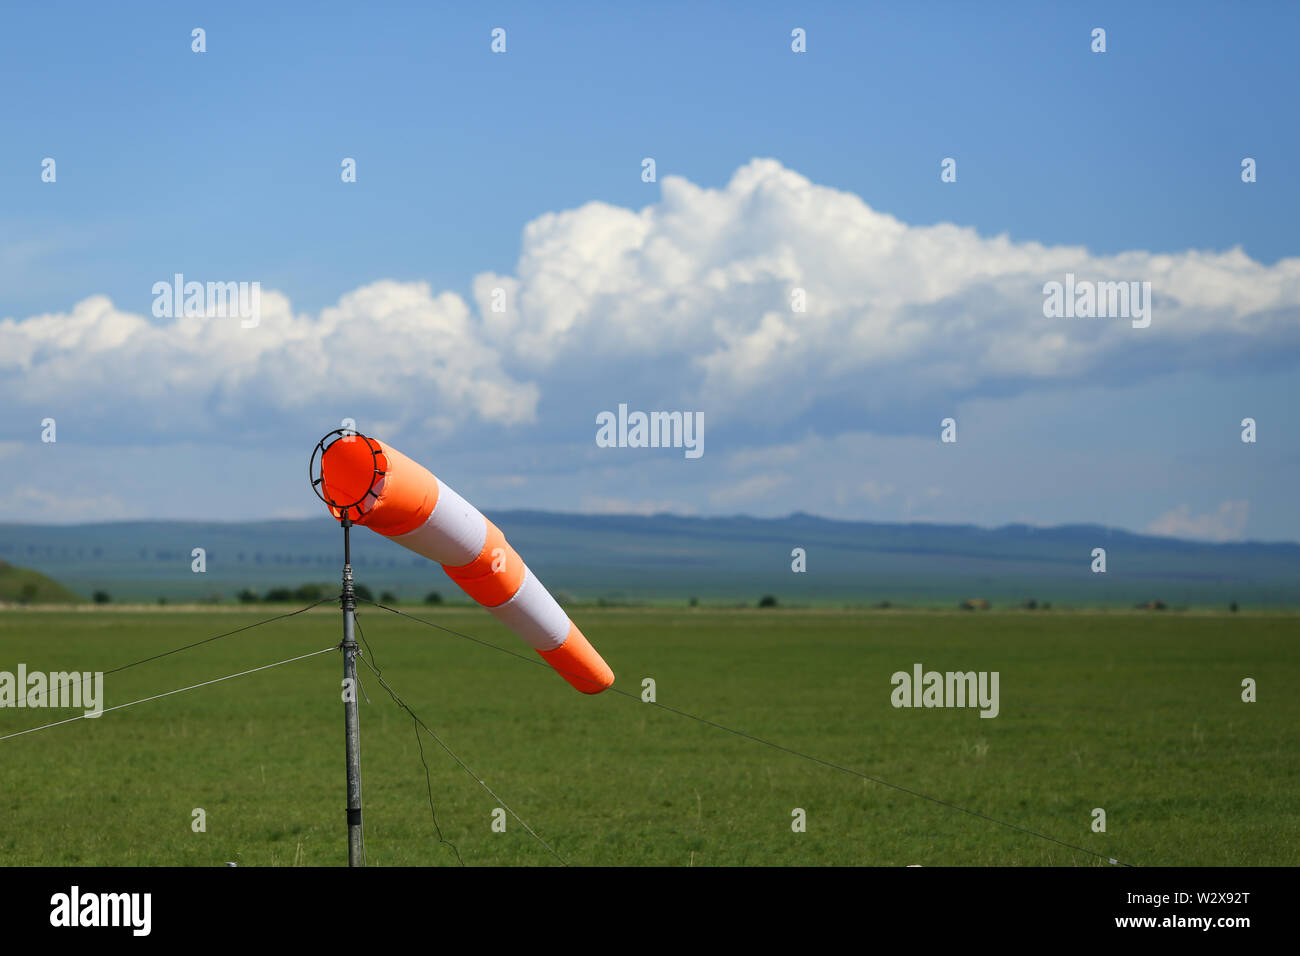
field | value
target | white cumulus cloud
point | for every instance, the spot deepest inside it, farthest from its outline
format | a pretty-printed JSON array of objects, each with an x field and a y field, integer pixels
[
  {"x": 698, "y": 286},
  {"x": 1225, "y": 524},
  {"x": 389, "y": 350},
  {"x": 684, "y": 304}
]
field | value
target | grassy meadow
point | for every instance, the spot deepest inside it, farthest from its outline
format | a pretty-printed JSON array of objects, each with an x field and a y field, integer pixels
[{"x": 1134, "y": 712}]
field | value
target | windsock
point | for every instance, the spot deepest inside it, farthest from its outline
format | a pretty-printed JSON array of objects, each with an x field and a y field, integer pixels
[{"x": 403, "y": 501}]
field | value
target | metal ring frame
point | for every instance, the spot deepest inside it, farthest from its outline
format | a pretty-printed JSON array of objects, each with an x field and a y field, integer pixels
[{"x": 339, "y": 509}]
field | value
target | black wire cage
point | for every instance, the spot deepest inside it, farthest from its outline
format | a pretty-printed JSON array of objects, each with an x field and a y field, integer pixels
[{"x": 316, "y": 473}]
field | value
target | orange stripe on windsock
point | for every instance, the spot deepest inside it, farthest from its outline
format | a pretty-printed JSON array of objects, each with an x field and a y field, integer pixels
[
  {"x": 406, "y": 499},
  {"x": 495, "y": 575},
  {"x": 577, "y": 662}
]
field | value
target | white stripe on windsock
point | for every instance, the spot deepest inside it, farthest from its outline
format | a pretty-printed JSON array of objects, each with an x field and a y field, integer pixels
[
  {"x": 454, "y": 533},
  {"x": 534, "y": 615}
]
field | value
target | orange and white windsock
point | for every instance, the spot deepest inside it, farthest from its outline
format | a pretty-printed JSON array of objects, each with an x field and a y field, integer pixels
[{"x": 402, "y": 500}]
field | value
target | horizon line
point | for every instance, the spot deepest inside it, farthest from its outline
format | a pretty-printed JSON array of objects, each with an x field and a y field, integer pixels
[{"x": 1245, "y": 542}]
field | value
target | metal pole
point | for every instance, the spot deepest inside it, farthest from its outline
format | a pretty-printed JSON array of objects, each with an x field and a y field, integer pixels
[{"x": 351, "y": 719}]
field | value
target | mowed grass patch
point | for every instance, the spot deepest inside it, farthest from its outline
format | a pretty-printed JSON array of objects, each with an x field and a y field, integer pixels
[{"x": 1139, "y": 714}]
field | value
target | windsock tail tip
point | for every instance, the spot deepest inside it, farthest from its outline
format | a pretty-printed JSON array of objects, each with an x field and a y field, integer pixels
[{"x": 578, "y": 663}]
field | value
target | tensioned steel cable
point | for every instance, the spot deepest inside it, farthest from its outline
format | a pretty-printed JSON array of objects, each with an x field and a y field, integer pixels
[
  {"x": 428, "y": 781},
  {"x": 209, "y": 640},
  {"x": 179, "y": 690},
  {"x": 464, "y": 766},
  {"x": 775, "y": 746}
]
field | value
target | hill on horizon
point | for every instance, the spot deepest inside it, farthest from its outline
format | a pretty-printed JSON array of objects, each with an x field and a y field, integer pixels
[{"x": 25, "y": 586}]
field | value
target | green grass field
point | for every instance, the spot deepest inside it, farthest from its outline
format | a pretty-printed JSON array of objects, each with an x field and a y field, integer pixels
[{"x": 1139, "y": 714}]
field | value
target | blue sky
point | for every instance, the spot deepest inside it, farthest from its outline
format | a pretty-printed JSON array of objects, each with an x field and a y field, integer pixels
[{"x": 225, "y": 166}]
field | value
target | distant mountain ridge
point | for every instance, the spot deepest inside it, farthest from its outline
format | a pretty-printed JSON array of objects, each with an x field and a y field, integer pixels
[{"x": 672, "y": 557}]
